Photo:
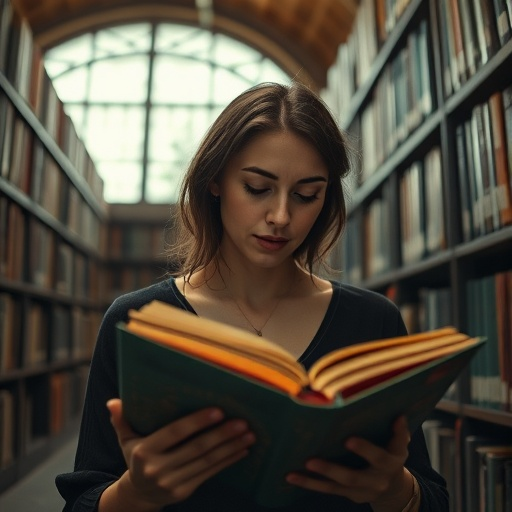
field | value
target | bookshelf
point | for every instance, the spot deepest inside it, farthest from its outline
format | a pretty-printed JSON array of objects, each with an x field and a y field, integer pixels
[
  {"x": 138, "y": 237},
  {"x": 64, "y": 256},
  {"x": 52, "y": 228},
  {"x": 424, "y": 91}
]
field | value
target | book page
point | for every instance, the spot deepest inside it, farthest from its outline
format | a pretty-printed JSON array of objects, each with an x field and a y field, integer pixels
[
  {"x": 276, "y": 377},
  {"x": 379, "y": 357},
  {"x": 372, "y": 346},
  {"x": 353, "y": 383}
]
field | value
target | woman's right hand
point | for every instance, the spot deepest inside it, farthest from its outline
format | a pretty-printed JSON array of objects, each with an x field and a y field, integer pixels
[{"x": 167, "y": 466}]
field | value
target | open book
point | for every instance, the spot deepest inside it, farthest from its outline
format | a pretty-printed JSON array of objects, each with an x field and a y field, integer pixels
[{"x": 172, "y": 362}]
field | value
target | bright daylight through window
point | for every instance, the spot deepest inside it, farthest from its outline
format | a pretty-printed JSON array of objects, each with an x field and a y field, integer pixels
[{"x": 141, "y": 97}]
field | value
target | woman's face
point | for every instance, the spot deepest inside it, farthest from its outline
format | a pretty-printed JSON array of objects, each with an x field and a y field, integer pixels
[{"x": 270, "y": 196}]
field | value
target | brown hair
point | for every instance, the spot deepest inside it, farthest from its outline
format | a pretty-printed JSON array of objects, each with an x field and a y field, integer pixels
[{"x": 263, "y": 108}]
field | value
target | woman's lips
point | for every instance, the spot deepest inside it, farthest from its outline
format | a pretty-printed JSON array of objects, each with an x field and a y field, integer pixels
[{"x": 271, "y": 243}]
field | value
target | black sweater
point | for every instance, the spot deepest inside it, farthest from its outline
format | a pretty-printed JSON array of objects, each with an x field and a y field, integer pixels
[{"x": 354, "y": 315}]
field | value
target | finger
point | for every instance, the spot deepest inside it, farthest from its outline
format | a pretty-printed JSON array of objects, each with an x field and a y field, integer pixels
[
  {"x": 123, "y": 430},
  {"x": 212, "y": 446},
  {"x": 331, "y": 478},
  {"x": 401, "y": 437},
  {"x": 328, "y": 478},
  {"x": 186, "y": 487},
  {"x": 178, "y": 431},
  {"x": 353, "y": 488},
  {"x": 198, "y": 470},
  {"x": 380, "y": 456}
]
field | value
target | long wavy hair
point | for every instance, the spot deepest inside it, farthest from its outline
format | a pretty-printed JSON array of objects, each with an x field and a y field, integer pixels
[{"x": 263, "y": 108}]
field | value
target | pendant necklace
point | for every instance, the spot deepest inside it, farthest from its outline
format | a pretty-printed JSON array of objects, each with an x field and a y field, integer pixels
[{"x": 259, "y": 331}]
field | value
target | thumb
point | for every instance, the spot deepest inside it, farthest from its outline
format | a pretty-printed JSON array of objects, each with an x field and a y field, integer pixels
[
  {"x": 123, "y": 430},
  {"x": 401, "y": 436}
]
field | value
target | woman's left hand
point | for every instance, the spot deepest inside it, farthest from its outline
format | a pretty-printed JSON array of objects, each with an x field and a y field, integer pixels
[{"x": 384, "y": 483}]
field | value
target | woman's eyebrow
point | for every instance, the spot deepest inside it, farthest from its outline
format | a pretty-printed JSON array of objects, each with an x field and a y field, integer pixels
[{"x": 267, "y": 174}]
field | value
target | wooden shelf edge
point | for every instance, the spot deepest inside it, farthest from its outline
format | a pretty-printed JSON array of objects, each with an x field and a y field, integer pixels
[{"x": 51, "y": 146}]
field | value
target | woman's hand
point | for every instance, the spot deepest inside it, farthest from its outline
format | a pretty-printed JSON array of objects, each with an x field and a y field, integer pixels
[
  {"x": 385, "y": 483},
  {"x": 169, "y": 465}
]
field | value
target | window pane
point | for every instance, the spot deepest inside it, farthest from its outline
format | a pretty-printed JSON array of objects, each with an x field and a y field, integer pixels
[
  {"x": 72, "y": 86},
  {"x": 75, "y": 52},
  {"x": 179, "y": 80},
  {"x": 231, "y": 53},
  {"x": 115, "y": 133},
  {"x": 123, "y": 181},
  {"x": 175, "y": 132},
  {"x": 163, "y": 182},
  {"x": 271, "y": 73},
  {"x": 183, "y": 40},
  {"x": 77, "y": 114},
  {"x": 226, "y": 86},
  {"x": 195, "y": 74},
  {"x": 118, "y": 80},
  {"x": 124, "y": 40}
]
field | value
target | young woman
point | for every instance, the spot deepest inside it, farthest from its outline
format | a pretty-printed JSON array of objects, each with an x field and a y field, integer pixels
[{"x": 261, "y": 205}]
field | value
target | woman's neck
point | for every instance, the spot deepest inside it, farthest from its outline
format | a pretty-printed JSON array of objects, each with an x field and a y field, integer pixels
[{"x": 258, "y": 285}]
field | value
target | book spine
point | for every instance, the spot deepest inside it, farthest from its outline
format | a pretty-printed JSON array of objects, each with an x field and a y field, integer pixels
[
  {"x": 501, "y": 165},
  {"x": 502, "y": 21}
]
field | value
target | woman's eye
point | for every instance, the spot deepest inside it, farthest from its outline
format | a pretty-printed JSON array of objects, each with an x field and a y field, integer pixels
[
  {"x": 306, "y": 199},
  {"x": 254, "y": 191}
]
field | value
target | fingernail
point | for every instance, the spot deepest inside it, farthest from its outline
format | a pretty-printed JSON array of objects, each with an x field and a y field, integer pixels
[
  {"x": 216, "y": 415},
  {"x": 351, "y": 444},
  {"x": 249, "y": 438},
  {"x": 239, "y": 426}
]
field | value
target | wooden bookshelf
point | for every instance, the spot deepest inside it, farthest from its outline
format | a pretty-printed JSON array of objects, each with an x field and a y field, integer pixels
[
  {"x": 138, "y": 236},
  {"x": 466, "y": 277},
  {"x": 52, "y": 225}
]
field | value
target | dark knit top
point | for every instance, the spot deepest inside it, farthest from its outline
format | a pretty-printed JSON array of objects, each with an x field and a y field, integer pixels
[{"x": 354, "y": 315}]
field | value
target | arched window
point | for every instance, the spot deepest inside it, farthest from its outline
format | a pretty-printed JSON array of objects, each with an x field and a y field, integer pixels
[{"x": 142, "y": 95}]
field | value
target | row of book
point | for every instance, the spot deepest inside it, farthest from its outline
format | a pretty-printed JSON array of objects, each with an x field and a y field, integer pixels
[
  {"x": 35, "y": 332},
  {"x": 126, "y": 277},
  {"x": 489, "y": 310},
  {"x": 22, "y": 63},
  {"x": 387, "y": 15},
  {"x": 430, "y": 309},
  {"x": 401, "y": 99},
  {"x": 484, "y": 156},
  {"x": 421, "y": 221},
  {"x": 137, "y": 241},
  {"x": 34, "y": 253},
  {"x": 422, "y": 229},
  {"x": 403, "y": 96},
  {"x": 27, "y": 165},
  {"x": 482, "y": 462},
  {"x": 484, "y": 162},
  {"x": 471, "y": 32},
  {"x": 37, "y": 139},
  {"x": 61, "y": 391},
  {"x": 377, "y": 226},
  {"x": 374, "y": 21}
]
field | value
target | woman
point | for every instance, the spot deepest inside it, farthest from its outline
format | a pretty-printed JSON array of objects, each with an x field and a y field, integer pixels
[{"x": 261, "y": 206}]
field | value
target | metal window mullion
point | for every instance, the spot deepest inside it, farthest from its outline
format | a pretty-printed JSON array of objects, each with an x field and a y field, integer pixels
[{"x": 151, "y": 57}]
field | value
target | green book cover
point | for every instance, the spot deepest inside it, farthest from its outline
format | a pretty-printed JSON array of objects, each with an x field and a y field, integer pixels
[{"x": 159, "y": 384}]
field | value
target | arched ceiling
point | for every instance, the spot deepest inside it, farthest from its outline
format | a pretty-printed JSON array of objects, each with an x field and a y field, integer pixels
[{"x": 300, "y": 35}]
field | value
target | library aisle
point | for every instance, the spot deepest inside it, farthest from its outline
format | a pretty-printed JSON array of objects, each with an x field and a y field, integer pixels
[{"x": 37, "y": 491}]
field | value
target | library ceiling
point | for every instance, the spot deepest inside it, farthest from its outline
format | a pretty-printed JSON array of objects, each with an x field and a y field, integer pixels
[{"x": 300, "y": 35}]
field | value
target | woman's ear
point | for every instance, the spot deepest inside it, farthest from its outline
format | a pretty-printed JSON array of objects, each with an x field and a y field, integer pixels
[{"x": 214, "y": 189}]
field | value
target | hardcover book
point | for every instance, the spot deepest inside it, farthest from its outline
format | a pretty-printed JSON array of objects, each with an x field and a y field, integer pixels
[{"x": 172, "y": 362}]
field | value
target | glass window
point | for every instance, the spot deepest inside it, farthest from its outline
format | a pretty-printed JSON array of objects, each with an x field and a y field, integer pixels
[{"x": 142, "y": 95}]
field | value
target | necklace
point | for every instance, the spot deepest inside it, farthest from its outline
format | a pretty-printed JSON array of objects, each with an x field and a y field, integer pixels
[{"x": 259, "y": 331}]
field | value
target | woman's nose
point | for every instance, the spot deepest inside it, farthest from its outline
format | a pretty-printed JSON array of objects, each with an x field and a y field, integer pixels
[{"x": 279, "y": 212}]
